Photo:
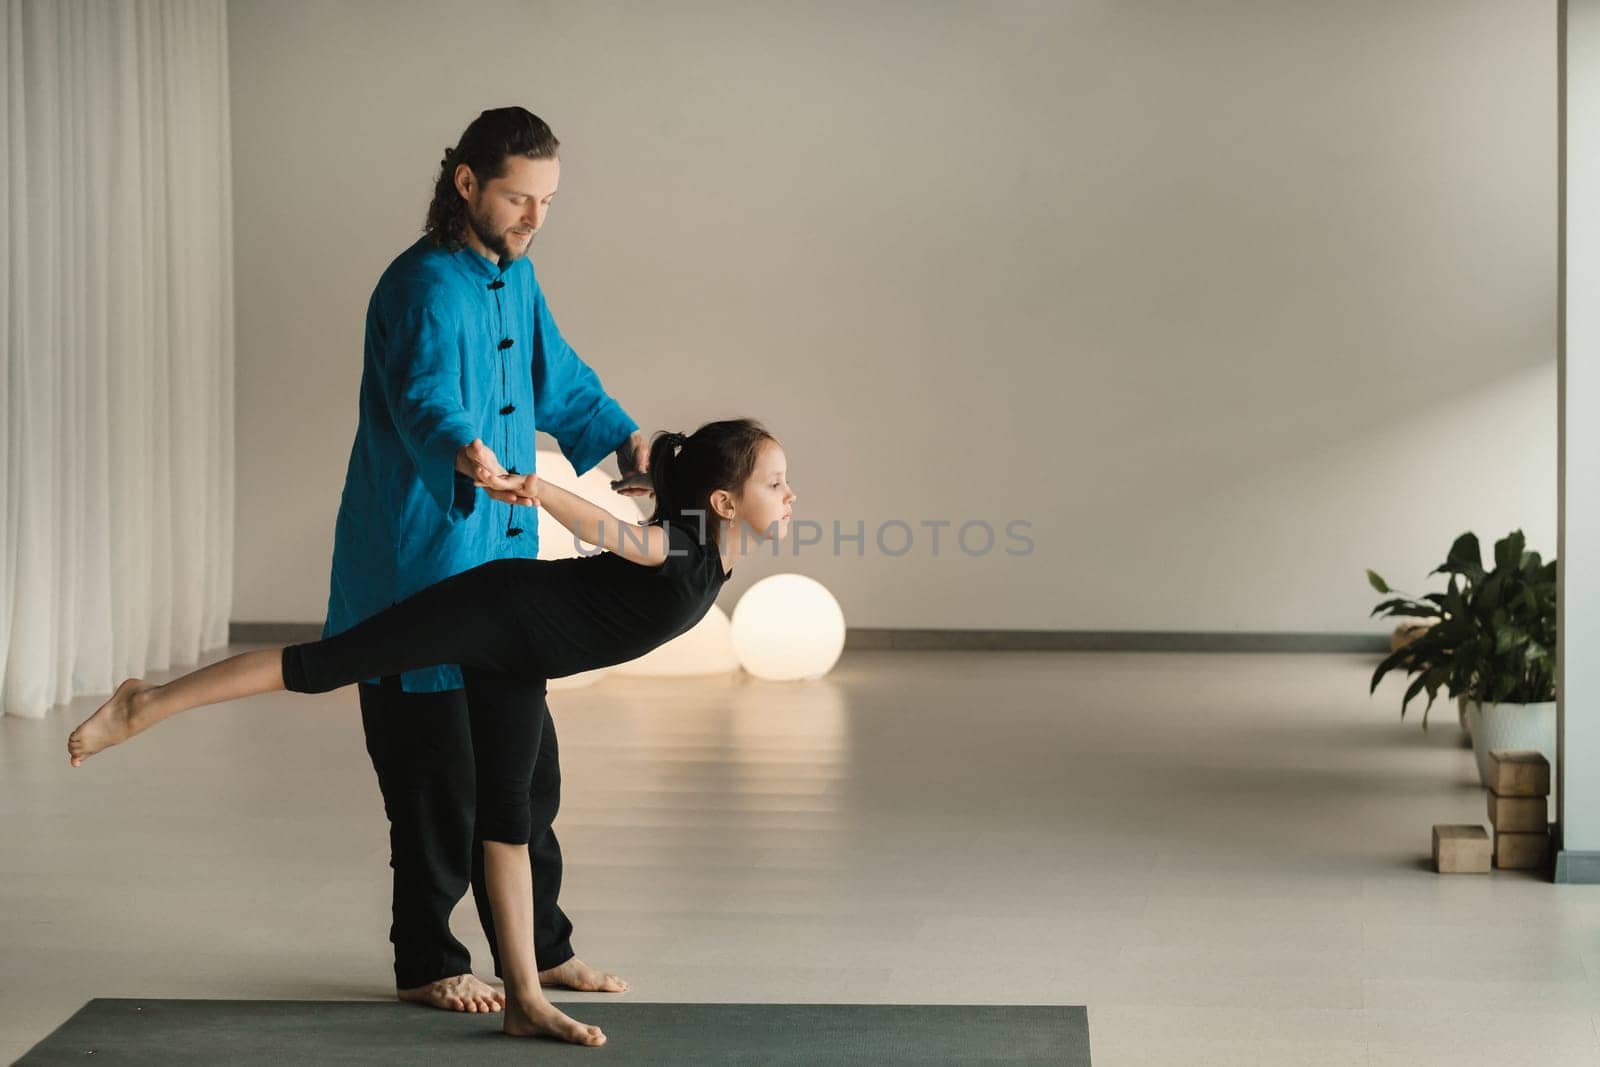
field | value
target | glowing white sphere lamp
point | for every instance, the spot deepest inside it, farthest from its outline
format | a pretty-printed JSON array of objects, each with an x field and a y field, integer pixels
[
  {"x": 706, "y": 648},
  {"x": 787, "y": 627},
  {"x": 557, "y": 542}
]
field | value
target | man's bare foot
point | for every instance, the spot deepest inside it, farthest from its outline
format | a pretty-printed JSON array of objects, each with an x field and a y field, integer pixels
[
  {"x": 540, "y": 1018},
  {"x": 110, "y": 725},
  {"x": 582, "y": 978},
  {"x": 462, "y": 992}
]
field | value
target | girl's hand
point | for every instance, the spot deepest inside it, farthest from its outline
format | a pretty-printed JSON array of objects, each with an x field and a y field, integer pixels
[{"x": 519, "y": 489}]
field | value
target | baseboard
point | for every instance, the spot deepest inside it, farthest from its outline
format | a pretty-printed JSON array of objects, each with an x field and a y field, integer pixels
[
  {"x": 273, "y": 633},
  {"x": 1577, "y": 868},
  {"x": 1109, "y": 641},
  {"x": 904, "y": 640}
]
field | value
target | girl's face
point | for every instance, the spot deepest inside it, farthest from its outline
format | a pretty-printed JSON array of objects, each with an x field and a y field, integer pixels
[{"x": 765, "y": 504}]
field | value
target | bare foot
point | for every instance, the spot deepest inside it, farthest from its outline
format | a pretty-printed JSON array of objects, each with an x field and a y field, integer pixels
[
  {"x": 461, "y": 992},
  {"x": 579, "y": 976},
  {"x": 540, "y": 1018},
  {"x": 110, "y": 725}
]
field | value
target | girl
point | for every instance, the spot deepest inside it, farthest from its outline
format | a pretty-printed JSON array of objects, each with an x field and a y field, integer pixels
[{"x": 513, "y": 623}]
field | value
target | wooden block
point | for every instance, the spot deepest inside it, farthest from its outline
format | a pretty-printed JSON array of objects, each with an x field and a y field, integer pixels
[
  {"x": 1518, "y": 773},
  {"x": 1460, "y": 849},
  {"x": 1521, "y": 852},
  {"x": 1409, "y": 631},
  {"x": 1519, "y": 814}
]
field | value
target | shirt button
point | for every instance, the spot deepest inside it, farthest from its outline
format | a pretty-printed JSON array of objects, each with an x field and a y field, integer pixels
[
  {"x": 497, "y": 284},
  {"x": 508, "y": 409},
  {"x": 507, "y": 343}
]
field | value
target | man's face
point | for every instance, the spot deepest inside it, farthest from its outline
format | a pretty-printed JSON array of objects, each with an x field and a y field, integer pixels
[{"x": 507, "y": 211}]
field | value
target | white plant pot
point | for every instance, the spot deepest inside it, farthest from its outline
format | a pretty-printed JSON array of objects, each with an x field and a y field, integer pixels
[{"x": 1523, "y": 726}]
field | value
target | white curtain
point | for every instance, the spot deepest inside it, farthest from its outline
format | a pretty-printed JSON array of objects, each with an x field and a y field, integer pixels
[{"x": 116, "y": 454}]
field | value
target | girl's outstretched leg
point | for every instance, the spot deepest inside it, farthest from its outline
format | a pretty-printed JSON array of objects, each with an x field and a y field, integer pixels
[
  {"x": 466, "y": 619},
  {"x": 137, "y": 706},
  {"x": 508, "y": 872}
]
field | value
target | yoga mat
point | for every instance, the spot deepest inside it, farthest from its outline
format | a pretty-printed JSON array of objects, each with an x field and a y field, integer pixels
[{"x": 291, "y": 1033}]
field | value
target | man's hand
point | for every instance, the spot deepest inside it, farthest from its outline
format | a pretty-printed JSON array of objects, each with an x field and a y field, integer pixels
[
  {"x": 477, "y": 462},
  {"x": 633, "y": 461}
]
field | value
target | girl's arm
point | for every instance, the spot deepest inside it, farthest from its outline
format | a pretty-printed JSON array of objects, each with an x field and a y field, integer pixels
[{"x": 644, "y": 545}]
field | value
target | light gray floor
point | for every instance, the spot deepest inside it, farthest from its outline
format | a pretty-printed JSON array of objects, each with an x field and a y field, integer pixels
[{"x": 1223, "y": 856}]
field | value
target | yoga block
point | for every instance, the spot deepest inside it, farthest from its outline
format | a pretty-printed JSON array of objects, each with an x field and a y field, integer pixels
[
  {"x": 1519, "y": 815},
  {"x": 1521, "y": 852},
  {"x": 1460, "y": 849},
  {"x": 1518, "y": 773}
]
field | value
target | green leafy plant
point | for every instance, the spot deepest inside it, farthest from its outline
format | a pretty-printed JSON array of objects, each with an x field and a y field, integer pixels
[{"x": 1493, "y": 637}]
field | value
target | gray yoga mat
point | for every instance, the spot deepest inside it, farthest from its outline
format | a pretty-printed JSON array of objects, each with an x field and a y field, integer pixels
[{"x": 317, "y": 1032}]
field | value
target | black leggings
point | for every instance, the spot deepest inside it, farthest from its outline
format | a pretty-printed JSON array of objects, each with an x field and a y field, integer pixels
[
  {"x": 507, "y": 716},
  {"x": 472, "y": 619}
]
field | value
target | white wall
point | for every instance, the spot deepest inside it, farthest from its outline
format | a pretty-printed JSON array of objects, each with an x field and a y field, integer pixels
[
  {"x": 1578, "y": 678},
  {"x": 1230, "y": 300}
]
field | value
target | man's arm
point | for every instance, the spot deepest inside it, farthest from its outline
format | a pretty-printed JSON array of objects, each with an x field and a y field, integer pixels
[
  {"x": 571, "y": 405},
  {"x": 421, "y": 379}
]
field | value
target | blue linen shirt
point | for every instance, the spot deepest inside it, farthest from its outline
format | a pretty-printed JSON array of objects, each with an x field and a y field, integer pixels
[{"x": 457, "y": 348}]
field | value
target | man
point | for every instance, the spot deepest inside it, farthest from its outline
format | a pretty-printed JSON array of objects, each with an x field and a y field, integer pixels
[{"x": 463, "y": 363}]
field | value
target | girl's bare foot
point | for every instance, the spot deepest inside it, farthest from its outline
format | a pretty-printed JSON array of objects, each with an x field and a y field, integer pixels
[
  {"x": 577, "y": 975},
  {"x": 110, "y": 725},
  {"x": 540, "y": 1018},
  {"x": 461, "y": 992}
]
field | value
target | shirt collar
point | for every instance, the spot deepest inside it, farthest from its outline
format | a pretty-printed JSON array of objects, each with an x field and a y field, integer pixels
[{"x": 477, "y": 266}]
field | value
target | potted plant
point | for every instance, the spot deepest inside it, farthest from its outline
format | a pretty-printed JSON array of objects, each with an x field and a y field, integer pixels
[{"x": 1491, "y": 643}]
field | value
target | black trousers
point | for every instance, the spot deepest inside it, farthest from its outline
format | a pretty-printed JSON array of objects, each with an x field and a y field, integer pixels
[{"x": 422, "y": 746}]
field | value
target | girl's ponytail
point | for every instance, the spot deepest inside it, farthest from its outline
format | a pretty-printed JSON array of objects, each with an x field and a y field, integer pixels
[{"x": 663, "y": 471}]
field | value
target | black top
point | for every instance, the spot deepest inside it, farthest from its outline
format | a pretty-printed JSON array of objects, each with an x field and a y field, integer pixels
[{"x": 600, "y": 610}]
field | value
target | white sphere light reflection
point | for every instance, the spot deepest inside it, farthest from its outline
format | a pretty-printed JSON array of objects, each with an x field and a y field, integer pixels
[
  {"x": 788, "y": 627},
  {"x": 706, "y": 648}
]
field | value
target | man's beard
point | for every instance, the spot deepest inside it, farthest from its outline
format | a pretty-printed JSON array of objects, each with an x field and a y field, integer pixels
[{"x": 495, "y": 242}]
